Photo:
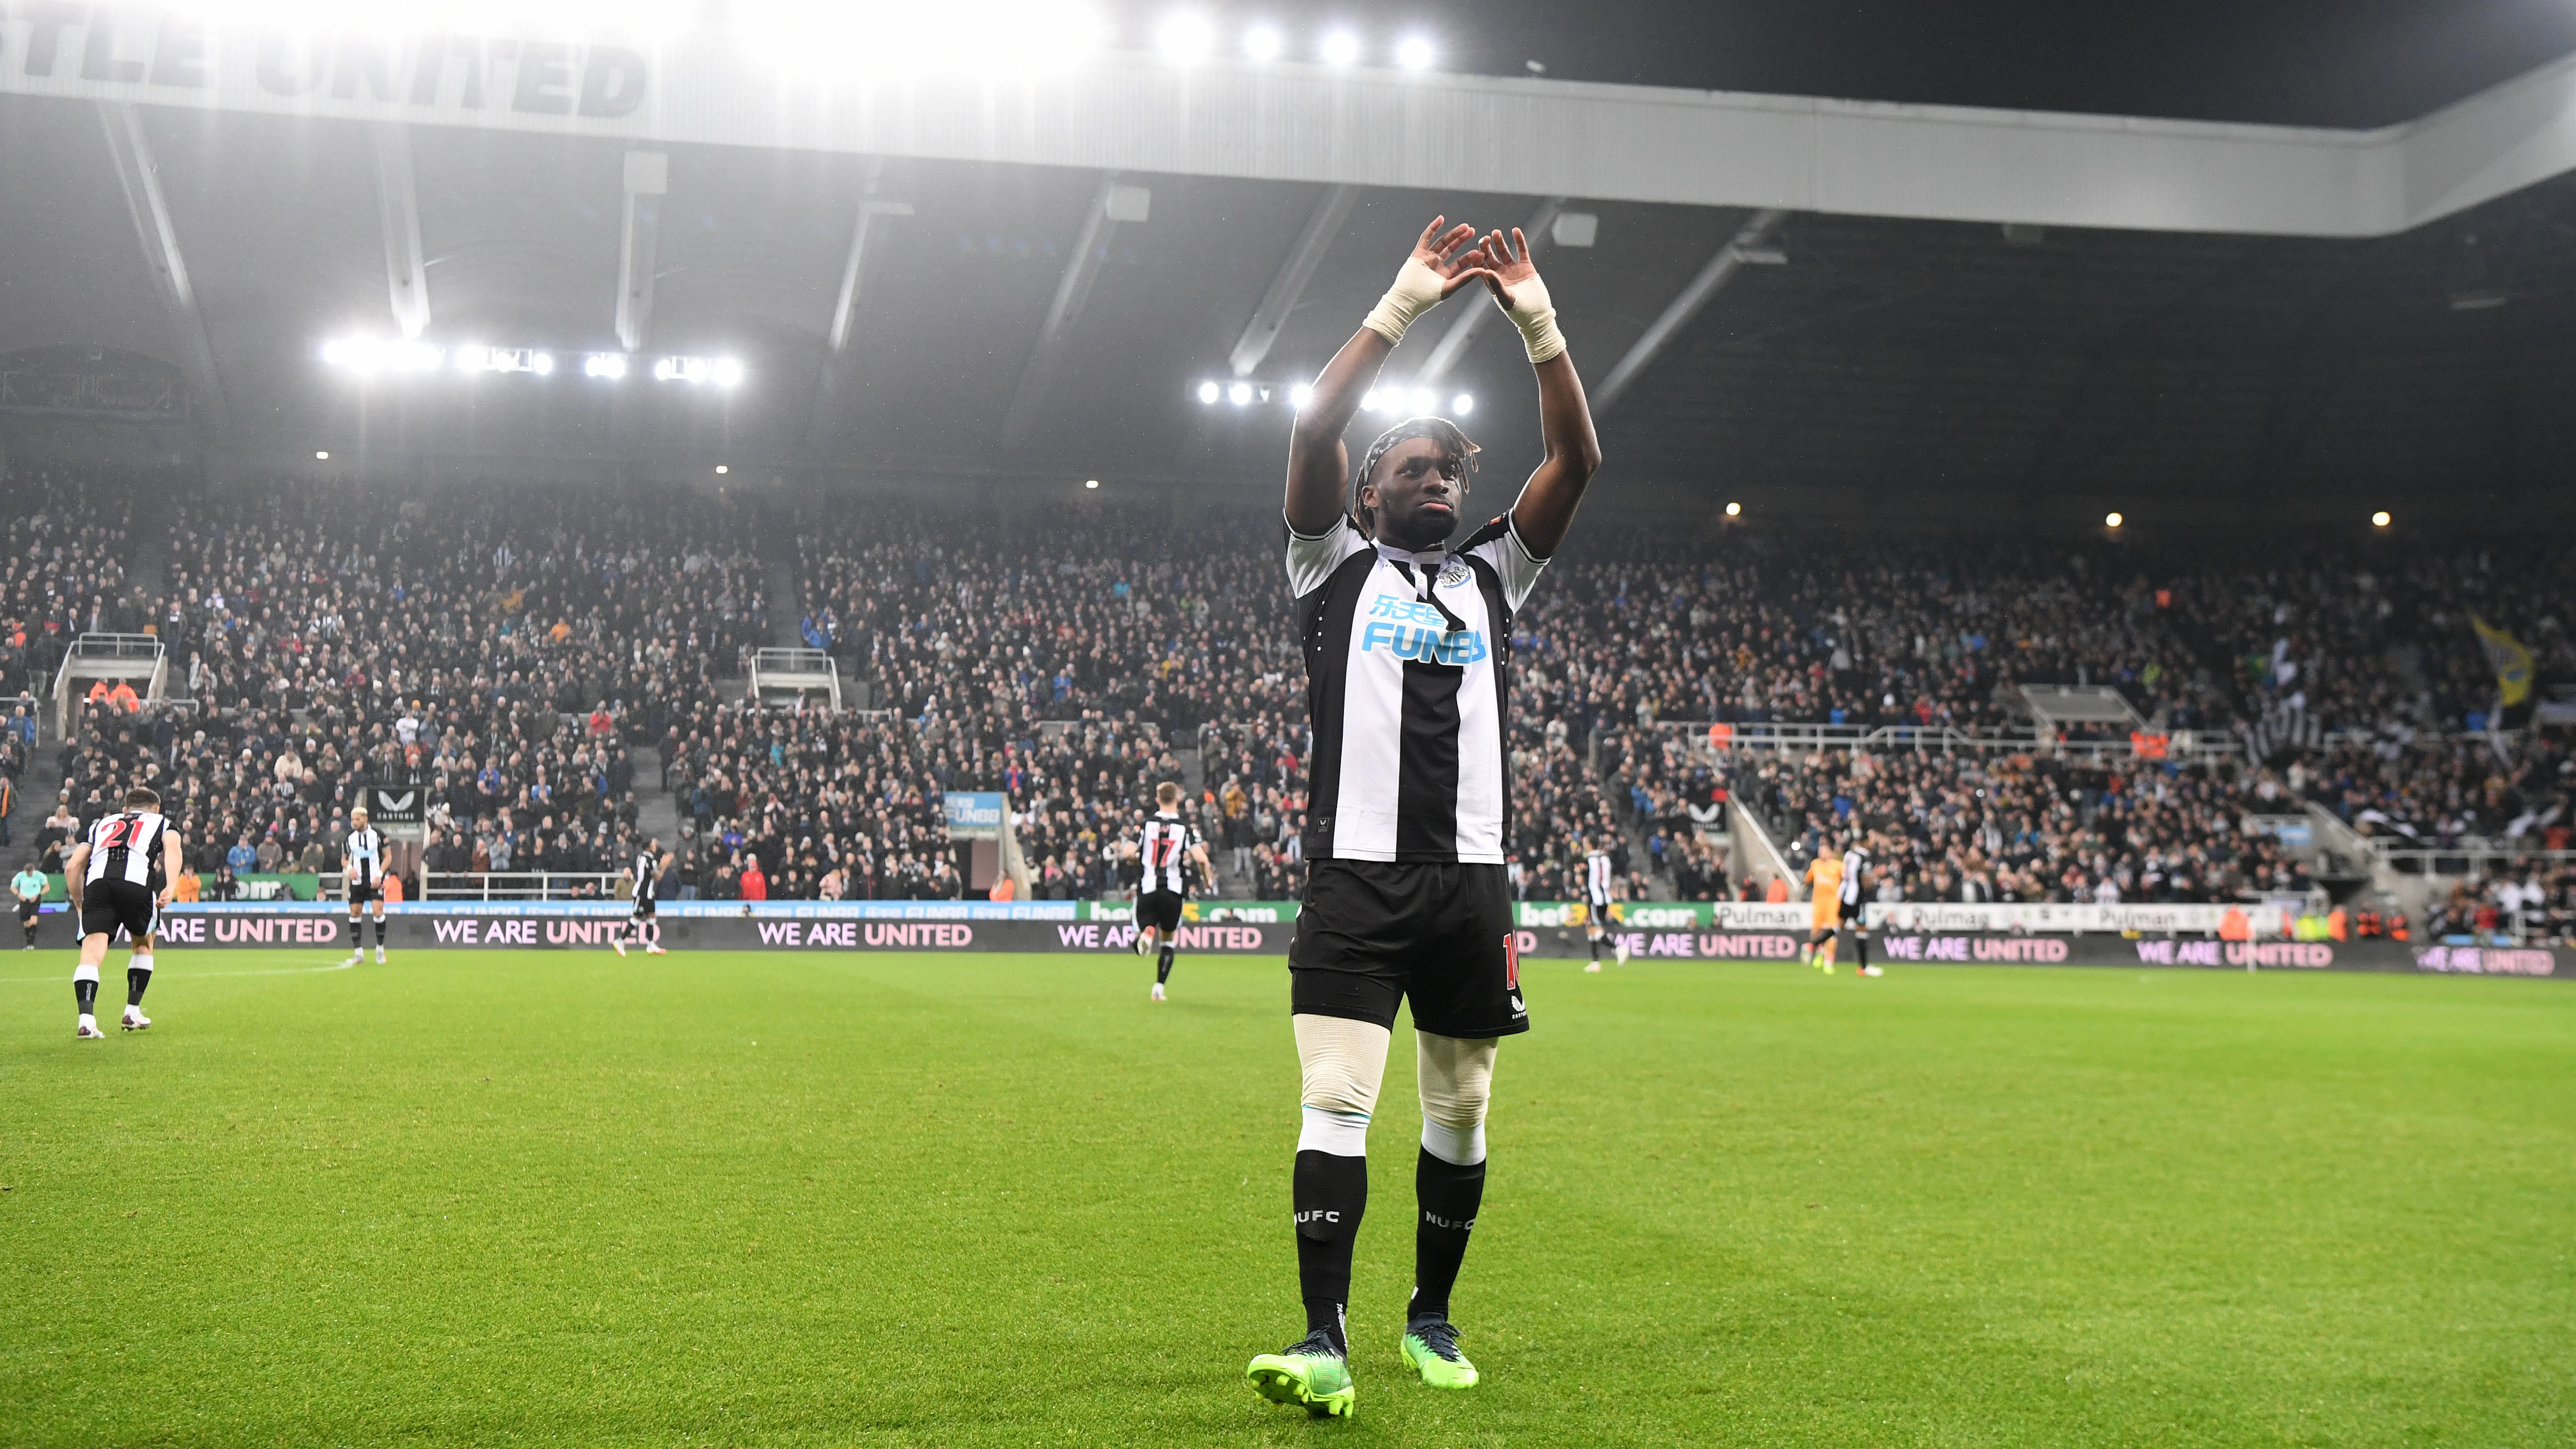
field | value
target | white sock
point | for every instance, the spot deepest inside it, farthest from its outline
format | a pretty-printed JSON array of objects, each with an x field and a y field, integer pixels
[{"x": 1343, "y": 1134}]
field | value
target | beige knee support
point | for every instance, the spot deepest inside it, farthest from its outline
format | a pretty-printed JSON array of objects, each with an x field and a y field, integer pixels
[
  {"x": 1457, "y": 1081},
  {"x": 1342, "y": 1062}
]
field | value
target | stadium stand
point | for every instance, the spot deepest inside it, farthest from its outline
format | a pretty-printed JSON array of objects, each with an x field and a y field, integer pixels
[{"x": 514, "y": 653}]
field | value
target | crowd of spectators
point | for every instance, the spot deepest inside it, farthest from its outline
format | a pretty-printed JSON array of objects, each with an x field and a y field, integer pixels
[{"x": 507, "y": 653}]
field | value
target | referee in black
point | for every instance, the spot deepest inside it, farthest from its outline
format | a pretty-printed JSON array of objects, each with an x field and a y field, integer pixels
[{"x": 1407, "y": 638}]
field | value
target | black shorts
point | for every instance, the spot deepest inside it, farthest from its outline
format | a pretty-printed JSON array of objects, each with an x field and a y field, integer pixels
[
  {"x": 360, "y": 893},
  {"x": 110, "y": 905},
  {"x": 1160, "y": 910},
  {"x": 1437, "y": 935},
  {"x": 643, "y": 908},
  {"x": 1849, "y": 914},
  {"x": 27, "y": 911}
]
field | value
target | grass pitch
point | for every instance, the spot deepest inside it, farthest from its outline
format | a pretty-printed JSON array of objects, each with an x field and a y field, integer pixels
[{"x": 544, "y": 1198}]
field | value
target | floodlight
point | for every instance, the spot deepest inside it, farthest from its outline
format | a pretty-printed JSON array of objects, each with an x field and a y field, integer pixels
[
  {"x": 609, "y": 365},
  {"x": 1735, "y": 510},
  {"x": 324, "y": 454},
  {"x": 1462, "y": 404},
  {"x": 721, "y": 468},
  {"x": 2379, "y": 519},
  {"x": 1209, "y": 392},
  {"x": 666, "y": 369},
  {"x": 1185, "y": 37},
  {"x": 1413, "y": 53},
  {"x": 1239, "y": 394},
  {"x": 1263, "y": 43},
  {"x": 1300, "y": 395},
  {"x": 727, "y": 372},
  {"x": 474, "y": 358},
  {"x": 1090, "y": 482},
  {"x": 1423, "y": 402},
  {"x": 818, "y": 42},
  {"x": 1341, "y": 48},
  {"x": 1369, "y": 403},
  {"x": 543, "y": 363},
  {"x": 2112, "y": 520}
]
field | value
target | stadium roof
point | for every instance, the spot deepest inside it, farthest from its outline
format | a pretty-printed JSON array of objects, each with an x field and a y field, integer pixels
[{"x": 1886, "y": 364}]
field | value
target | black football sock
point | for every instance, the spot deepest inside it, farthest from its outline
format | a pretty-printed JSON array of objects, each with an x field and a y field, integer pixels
[
  {"x": 1330, "y": 1193},
  {"x": 380, "y": 933},
  {"x": 1596, "y": 950},
  {"x": 136, "y": 979},
  {"x": 1861, "y": 945},
  {"x": 86, "y": 993},
  {"x": 1163, "y": 965},
  {"x": 1449, "y": 1196},
  {"x": 357, "y": 932}
]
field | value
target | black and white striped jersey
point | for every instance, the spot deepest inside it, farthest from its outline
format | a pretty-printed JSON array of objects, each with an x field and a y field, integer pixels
[
  {"x": 125, "y": 846},
  {"x": 1596, "y": 878},
  {"x": 364, "y": 852},
  {"x": 1164, "y": 852},
  {"x": 1855, "y": 868},
  {"x": 1408, "y": 681},
  {"x": 646, "y": 870}
]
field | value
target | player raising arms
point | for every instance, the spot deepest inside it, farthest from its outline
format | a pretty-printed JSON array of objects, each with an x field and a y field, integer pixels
[
  {"x": 646, "y": 871},
  {"x": 1161, "y": 849},
  {"x": 362, "y": 878},
  {"x": 1407, "y": 690},
  {"x": 110, "y": 876}
]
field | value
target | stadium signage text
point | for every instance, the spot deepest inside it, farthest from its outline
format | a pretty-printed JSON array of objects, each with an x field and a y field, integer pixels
[
  {"x": 151, "y": 55},
  {"x": 980, "y": 926}
]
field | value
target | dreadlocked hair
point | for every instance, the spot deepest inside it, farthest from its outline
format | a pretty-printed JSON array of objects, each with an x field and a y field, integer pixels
[{"x": 1452, "y": 439}]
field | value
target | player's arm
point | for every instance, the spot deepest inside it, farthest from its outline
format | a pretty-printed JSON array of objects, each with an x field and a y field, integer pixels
[
  {"x": 173, "y": 861},
  {"x": 1547, "y": 502},
  {"x": 75, "y": 866},
  {"x": 1319, "y": 466}
]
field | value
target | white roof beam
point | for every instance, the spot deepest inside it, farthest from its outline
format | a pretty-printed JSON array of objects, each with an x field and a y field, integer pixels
[
  {"x": 1110, "y": 205},
  {"x": 398, "y": 210},
  {"x": 648, "y": 179},
  {"x": 139, "y": 176},
  {"x": 1322, "y": 225},
  {"x": 1677, "y": 314},
  {"x": 873, "y": 212},
  {"x": 1363, "y": 127}
]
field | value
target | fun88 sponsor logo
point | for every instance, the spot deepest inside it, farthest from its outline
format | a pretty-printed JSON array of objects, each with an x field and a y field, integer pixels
[{"x": 1410, "y": 630}]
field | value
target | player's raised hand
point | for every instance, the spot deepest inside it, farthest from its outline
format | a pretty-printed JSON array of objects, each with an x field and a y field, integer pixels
[
  {"x": 1510, "y": 274},
  {"x": 1452, "y": 255}
]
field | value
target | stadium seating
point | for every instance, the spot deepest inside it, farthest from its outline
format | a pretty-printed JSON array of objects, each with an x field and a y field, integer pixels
[{"x": 508, "y": 650}]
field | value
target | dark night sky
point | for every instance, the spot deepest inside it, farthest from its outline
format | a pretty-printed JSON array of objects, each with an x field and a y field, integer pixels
[{"x": 2293, "y": 62}]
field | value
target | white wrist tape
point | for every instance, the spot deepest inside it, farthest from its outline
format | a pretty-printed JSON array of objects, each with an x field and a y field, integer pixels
[
  {"x": 1416, "y": 291},
  {"x": 1532, "y": 312}
]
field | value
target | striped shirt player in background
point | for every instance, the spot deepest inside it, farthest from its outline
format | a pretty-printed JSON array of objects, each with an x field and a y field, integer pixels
[
  {"x": 1407, "y": 642},
  {"x": 1596, "y": 906},
  {"x": 645, "y": 870},
  {"x": 1851, "y": 914},
  {"x": 120, "y": 876},
  {"x": 1164, "y": 851},
  {"x": 362, "y": 878}
]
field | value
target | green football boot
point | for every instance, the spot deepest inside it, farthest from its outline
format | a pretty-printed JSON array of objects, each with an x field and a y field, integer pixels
[
  {"x": 1308, "y": 1374},
  {"x": 1431, "y": 1346}
]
